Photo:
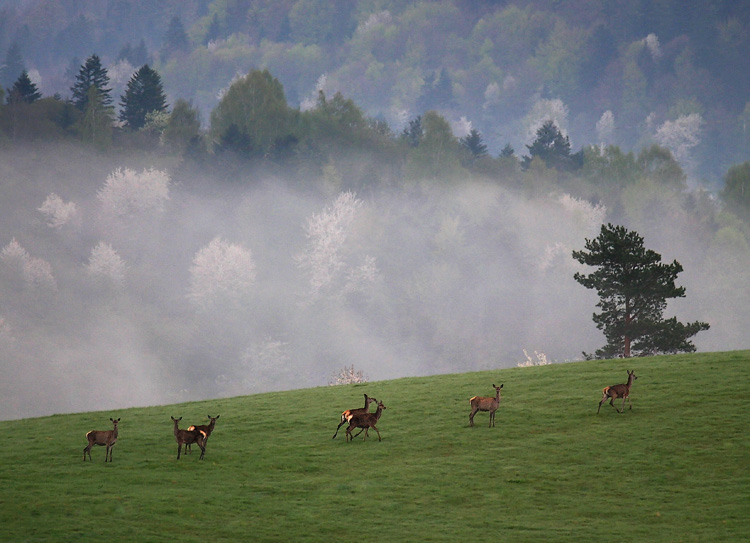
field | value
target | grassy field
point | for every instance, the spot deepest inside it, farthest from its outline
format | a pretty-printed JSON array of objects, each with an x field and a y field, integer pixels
[{"x": 675, "y": 468}]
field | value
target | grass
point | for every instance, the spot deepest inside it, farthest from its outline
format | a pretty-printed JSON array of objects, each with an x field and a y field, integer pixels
[{"x": 675, "y": 468}]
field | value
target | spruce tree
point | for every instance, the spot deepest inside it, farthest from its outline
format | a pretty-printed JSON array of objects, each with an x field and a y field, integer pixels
[
  {"x": 90, "y": 75},
  {"x": 176, "y": 39},
  {"x": 144, "y": 94},
  {"x": 633, "y": 287},
  {"x": 23, "y": 90}
]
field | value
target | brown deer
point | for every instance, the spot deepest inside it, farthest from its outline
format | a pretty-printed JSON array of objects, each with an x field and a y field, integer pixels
[
  {"x": 484, "y": 403},
  {"x": 365, "y": 421},
  {"x": 347, "y": 415},
  {"x": 206, "y": 428},
  {"x": 618, "y": 391},
  {"x": 102, "y": 437},
  {"x": 186, "y": 437}
]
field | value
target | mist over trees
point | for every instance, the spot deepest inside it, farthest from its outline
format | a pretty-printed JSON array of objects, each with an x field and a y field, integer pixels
[{"x": 278, "y": 206}]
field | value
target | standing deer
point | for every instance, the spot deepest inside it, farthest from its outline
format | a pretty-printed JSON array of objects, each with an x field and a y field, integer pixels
[
  {"x": 186, "y": 437},
  {"x": 206, "y": 428},
  {"x": 366, "y": 421},
  {"x": 618, "y": 391},
  {"x": 347, "y": 415},
  {"x": 484, "y": 403},
  {"x": 102, "y": 437}
]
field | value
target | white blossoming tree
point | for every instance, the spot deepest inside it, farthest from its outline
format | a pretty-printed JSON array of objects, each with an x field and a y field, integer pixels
[
  {"x": 128, "y": 193},
  {"x": 222, "y": 272},
  {"x": 324, "y": 259},
  {"x": 59, "y": 213},
  {"x": 680, "y": 136},
  {"x": 106, "y": 264},
  {"x": 36, "y": 272}
]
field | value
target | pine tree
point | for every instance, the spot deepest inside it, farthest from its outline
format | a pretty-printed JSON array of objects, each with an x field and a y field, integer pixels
[
  {"x": 144, "y": 94},
  {"x": 176, "y": 39},
  {"x": 473, "y": 143},
  {"x": 552, "y": 147},
  {"x": 633, "y": 287},
  {"x": 90, "y": 75},
  {"x": 23, "y": 90}
]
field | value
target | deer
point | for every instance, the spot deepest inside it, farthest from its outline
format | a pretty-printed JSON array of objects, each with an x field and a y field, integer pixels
[
  {"x": 618, "y": 391},
  {"x": 485, "y": 403},
  {"x": 186, "y": 437},
  {"x": 207, "y": 428},
  {"x": 102, "y": 437},
  {"x": 365, "y": 421},
  {"x": 347, "y": 415}
]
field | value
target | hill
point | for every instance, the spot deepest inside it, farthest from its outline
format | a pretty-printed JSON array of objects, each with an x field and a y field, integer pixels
[{"x": 675, "y": 468}]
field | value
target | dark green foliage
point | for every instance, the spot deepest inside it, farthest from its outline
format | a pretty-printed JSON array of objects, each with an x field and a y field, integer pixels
[
  {"x": 213, "y": 32},
  {"x": 91, "y": 74},
  {"x": 176, "y": 39},
  {"x": 183, "y": 127},
  {"x": 633, "y": 286},
  {"x": 256, "y": 106},
  {"x": 553, "y": 148},
  {"x": 23, "y": 90},
  {"x": 144, "y": 94},
  {"x": 412, "y": 134},
  {"x": 137, "y": 56},
  {"x": 474, "y": 144}
]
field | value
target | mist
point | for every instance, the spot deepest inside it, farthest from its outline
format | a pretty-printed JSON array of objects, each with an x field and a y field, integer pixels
[{"x": 226, "y": 286}]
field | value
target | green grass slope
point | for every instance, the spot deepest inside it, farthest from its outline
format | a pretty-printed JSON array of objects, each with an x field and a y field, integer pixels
[{"x": 675, "y": 468}]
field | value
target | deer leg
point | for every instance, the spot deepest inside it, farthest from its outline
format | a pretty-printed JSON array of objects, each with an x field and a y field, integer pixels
[
  {"x": 203, "y": 450},
  {"x": 337, "y": 428},
  {"x": 471, "y": 416},
  {"x": 360, "y": 431},
  {"x": 179, "y": 450},
  {"x": 378, "y": 431},
  {"x": 87, "y": 450}
]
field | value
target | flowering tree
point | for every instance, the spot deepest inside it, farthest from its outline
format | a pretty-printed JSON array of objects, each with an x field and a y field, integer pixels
[
  {"x": 680, "y": 136},
  {"x": 221, "y": 271},
  {"x": 34, "y": 271},
  {"x": 106, "y": 263},
  {"x": 126, "y": 192},
  {"x": 323, "y": 259},
  {"x": 59, "y": 213}
]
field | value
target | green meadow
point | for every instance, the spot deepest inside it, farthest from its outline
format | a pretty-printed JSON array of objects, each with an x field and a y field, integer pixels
[{"x": 674, "y": 468}]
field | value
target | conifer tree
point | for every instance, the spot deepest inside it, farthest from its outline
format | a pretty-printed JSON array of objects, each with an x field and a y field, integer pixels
[
  {"x": 176, "y": 39},
  {"x": 23, "y": 90},
  {"x": 144, "y": 94},
  {"x": 91, "y": 74},
  {"x": 633, "y": 287}
]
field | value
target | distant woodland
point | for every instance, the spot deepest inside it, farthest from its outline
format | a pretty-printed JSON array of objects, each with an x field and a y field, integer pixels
[{"x": 205, "y": 198}]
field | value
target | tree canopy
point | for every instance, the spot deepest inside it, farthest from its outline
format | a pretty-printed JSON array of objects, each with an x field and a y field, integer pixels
[
  {"x": 633, "y": 287},
  {"x": 144, "y": 94}
]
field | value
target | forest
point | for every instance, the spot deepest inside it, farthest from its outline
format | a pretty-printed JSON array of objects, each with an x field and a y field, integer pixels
[{"x": 228, "y": 197}]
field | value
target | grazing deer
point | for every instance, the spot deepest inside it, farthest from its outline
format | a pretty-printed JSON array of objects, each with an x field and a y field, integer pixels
[
  {"x": 347, "y": 415},
  {"x": 206, "y": 428},
  {"x": 618, "y": 391},
  {"x": 484, "y": 403},
  {"x": 365, "y": 421},
  {"x": 102, "y": 437},
  {"x": 186, "y": 437}
]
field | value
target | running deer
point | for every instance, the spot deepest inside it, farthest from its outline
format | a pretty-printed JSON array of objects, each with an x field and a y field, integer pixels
[
  {"x": 186, "y": 437},
  {"x": 618, "y": 391},
  {"x": 484, "y": 403},
  {"x": 207, "y": 428},
  {"x": 102, "y": 437},
  {"x": 347, "y": 415},
  {"x": 365, "y": 421}
]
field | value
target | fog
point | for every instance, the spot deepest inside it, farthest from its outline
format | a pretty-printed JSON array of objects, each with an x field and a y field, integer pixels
[{"x": 236, "y": 284}]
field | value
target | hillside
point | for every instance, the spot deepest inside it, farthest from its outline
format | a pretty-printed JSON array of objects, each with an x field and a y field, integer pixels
[{"x": 675, "y": 468}]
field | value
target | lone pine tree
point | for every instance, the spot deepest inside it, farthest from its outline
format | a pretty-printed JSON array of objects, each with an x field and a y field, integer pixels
[{"x": 633, "y": 287}]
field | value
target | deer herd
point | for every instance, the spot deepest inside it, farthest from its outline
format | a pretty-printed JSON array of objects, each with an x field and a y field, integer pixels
[{"x": 358, "y": 418}]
